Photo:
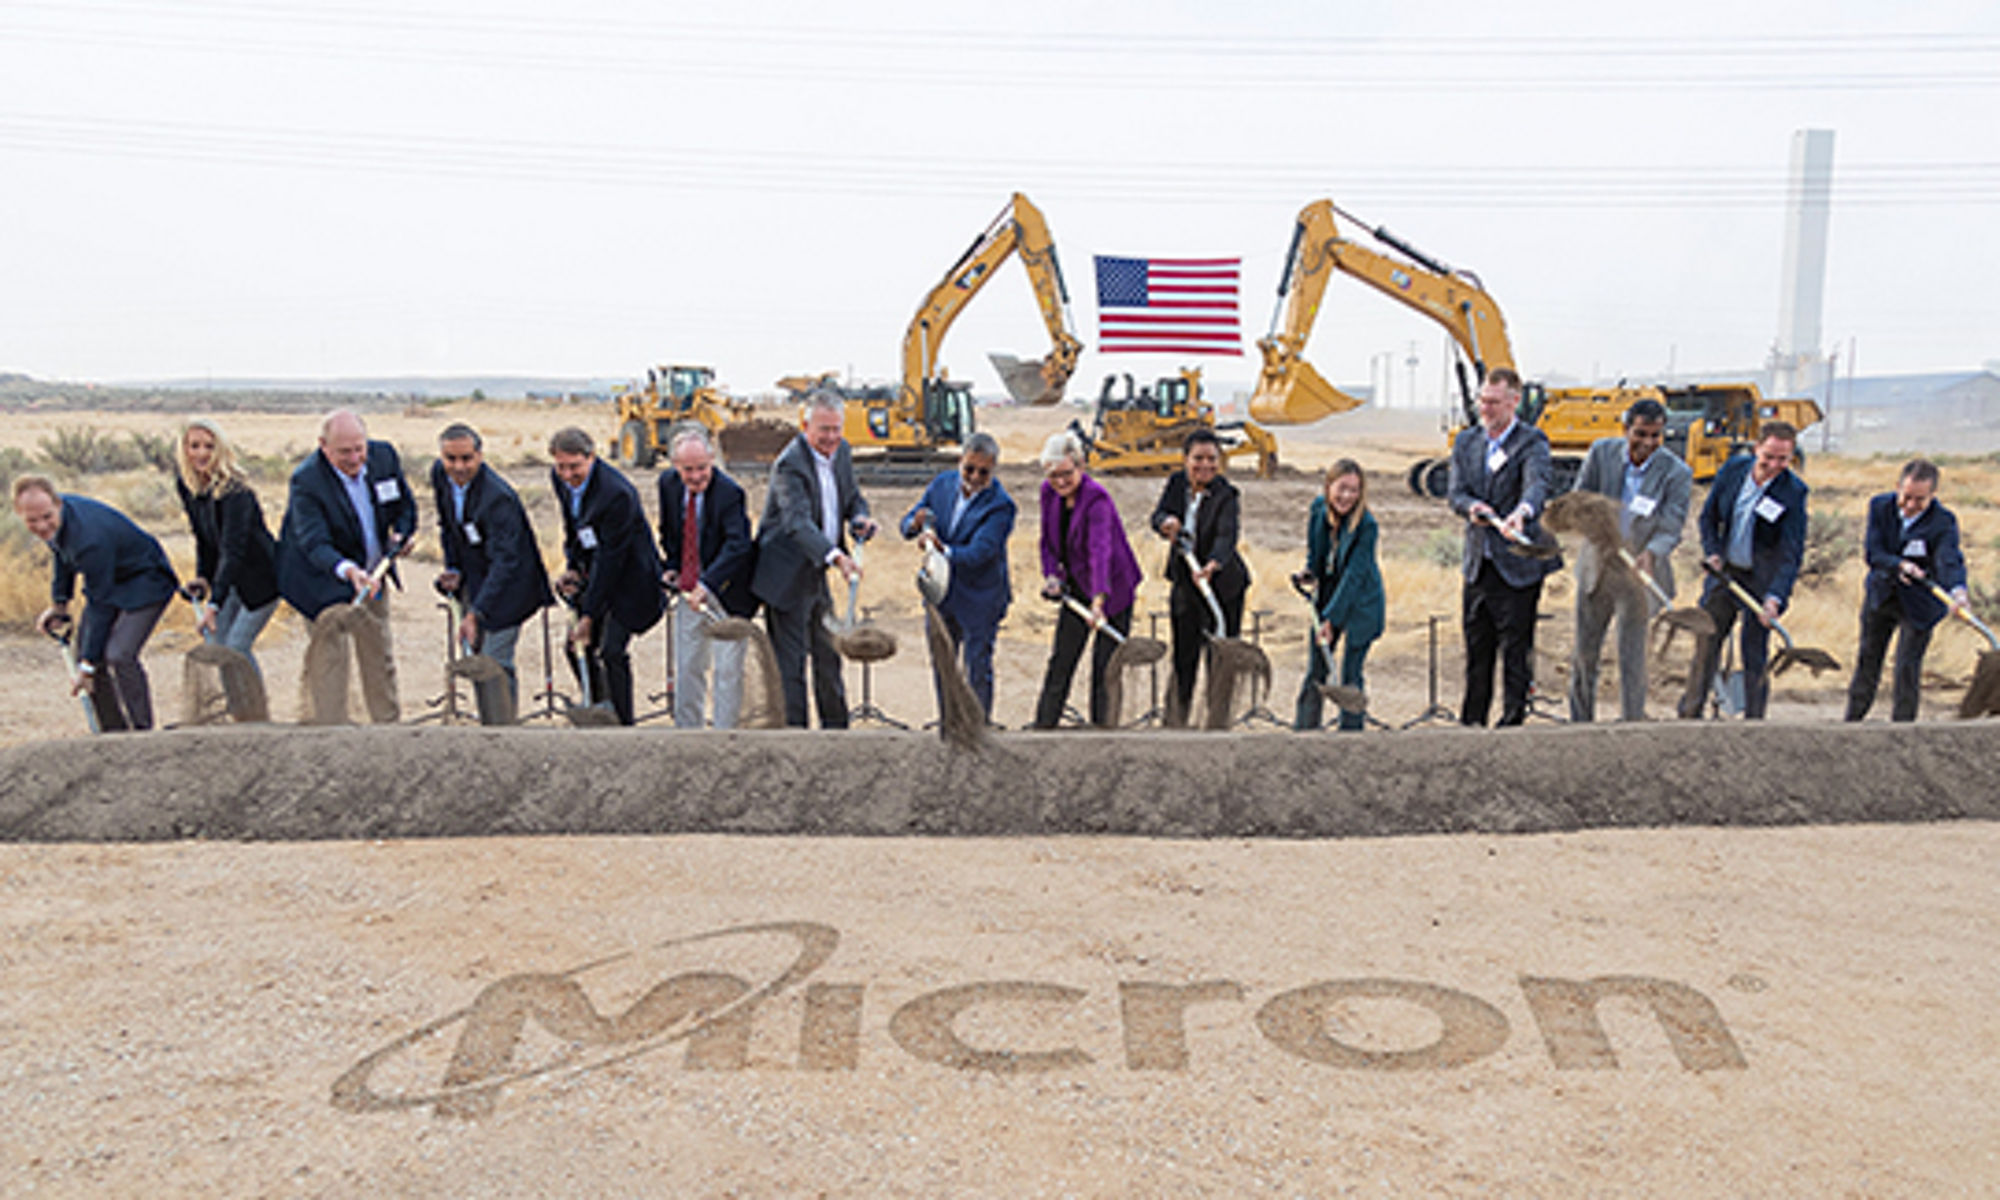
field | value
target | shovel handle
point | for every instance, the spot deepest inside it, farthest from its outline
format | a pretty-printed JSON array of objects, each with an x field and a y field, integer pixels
[
  {"x": 1207, "y": 593},
  {"x": 1964, "y": 613},
  {"x": 1652, "y": 585},
  {"x": 1090, "y": 618},
  {"x": 1750, "y": 602}
]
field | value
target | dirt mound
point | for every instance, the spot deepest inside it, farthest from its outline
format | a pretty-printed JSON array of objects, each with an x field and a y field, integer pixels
[{"x": 305, "y": 784}]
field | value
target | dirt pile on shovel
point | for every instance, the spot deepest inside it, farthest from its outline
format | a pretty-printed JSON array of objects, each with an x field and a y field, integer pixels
[{"x": 763, "y": 688}]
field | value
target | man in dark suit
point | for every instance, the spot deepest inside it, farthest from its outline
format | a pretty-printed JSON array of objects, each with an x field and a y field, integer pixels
[
  {"x": 1912, "y": 542},
  {"x": 350, "y": 511},
  {"x": 1200, "y": 511},
  {"x": 813, "y": 504},
  {"x": 967, "y": 516},
  {"x": 1500, "y": 484},
  {"x": 708, "y": 557},
  {"x": 127, "y": 584},
  {"x": 613, "y": 575},
  {"x": 492, "y": 563},
  {"x": 1753, "y": 531}
]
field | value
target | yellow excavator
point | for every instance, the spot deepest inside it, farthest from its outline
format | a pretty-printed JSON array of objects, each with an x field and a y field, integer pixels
[
  {"x": 1140, "y": 433},
  {"x": 1706, "y": 423},
  {"x": 679, "y": 392},
  {"x": 930, "y": 409}
]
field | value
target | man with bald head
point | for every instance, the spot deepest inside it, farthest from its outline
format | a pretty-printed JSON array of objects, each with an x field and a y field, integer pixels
[{"x": 350, "y": 515}]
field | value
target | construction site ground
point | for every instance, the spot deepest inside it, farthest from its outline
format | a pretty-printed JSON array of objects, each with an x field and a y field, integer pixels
[{"x": 1677, "y": 958}]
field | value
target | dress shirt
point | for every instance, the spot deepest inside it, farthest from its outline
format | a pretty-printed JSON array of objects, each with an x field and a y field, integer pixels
[
  {"x": 356, "y": 486},
  {"x": 1743, "y": 522},
  {"x": 829, "y": 500},
  {"x": 1635, "y": 475}
]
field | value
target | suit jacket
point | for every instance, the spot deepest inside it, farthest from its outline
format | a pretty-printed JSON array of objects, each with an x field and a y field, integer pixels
[
  {"x": 1668, "y": 483},
  {"x": 122, "y": 566},
  {"x": 321, "y": 530},
  {"x": 1931, "y": 543},
  {"x": 1777, "y": 547},
  {"x": 233, "y": 548},
  {"x": 608, "y": 542},
  {"x": 1215, "y": 528},
  {"x": 492, "y": 547},
  {"x": 1347, "y": 580},
  {"x": 726, "y": 555},
  {"x": 976, "y": 544},
  {"x": 1095, "y": 558},
  {"x": 1523, "y": 478},
  {"x": 791, "y": 546}
]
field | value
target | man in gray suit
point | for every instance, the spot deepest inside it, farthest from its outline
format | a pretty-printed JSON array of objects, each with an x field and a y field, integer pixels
[
  {"x": 813, "y": 504},
  {"x": 1651, "y": 485},
  {"x": 1500, "y": 482}
]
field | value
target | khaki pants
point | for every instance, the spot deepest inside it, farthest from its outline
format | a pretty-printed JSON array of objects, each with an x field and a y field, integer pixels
[{"x": 374, "y": 654}]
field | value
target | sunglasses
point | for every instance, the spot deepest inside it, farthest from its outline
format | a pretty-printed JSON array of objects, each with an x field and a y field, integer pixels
[{"x": 976, "y": 472}]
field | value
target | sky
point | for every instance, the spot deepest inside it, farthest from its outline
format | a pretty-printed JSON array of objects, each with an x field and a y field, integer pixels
[{"x": 309, "y": 189}]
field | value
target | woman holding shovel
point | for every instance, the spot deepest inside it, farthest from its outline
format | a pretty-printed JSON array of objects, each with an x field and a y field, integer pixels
[
  {"x": 236, "y": 570},
  {"x": 1199, "y": 514},
  {"x": 1086, "y": 559},
  {"x": 1347, "y": 592}
]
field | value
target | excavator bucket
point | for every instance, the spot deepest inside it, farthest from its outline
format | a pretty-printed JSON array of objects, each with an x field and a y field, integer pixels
[
  {"x": 1295, "y": 393},
  {"x": 1027, "y": 379}
]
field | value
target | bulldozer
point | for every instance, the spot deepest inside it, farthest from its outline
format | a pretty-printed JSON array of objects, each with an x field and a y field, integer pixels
[
  {"x": 1706, "y": 423},
  {"x": 678, "y": 393},
  {"x": 1140, "y": 432}
]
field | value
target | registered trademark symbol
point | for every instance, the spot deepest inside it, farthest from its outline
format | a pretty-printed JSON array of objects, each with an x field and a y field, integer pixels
[{"x": 1744, "y": 982}]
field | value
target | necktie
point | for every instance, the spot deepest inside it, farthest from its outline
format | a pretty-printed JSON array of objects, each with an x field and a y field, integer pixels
[{"x": 690, "y": 545}]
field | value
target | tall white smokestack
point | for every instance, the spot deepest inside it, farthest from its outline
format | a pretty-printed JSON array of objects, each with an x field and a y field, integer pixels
[{"x": 1798, "y": 362}]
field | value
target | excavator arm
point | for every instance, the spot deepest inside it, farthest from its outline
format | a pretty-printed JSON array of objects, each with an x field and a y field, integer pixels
[
  {"x": 1289, "y": 390},
  {"x": 1020, "y": 228}
]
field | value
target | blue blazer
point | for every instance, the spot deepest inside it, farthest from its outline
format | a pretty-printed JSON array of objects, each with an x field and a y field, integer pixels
[
  {"x": 1777, "y": 547},
  {"x": 320, "y": 528},
  {"x": 976, "y": 545},
  {"x": 1931, "y": 543},
  {"x": 608, "y": 542},
  {"x": 727, "y": 556},
  {"x": 122, "y": 566},
  {"x": 493, "y": 549},
  {"x": 1347, "y": 581}
]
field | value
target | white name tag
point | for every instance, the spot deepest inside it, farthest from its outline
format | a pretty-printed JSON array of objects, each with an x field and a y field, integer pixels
[
  {"x": 587, "y": 538},
  {"x": 1914, "y": 548},
  {"x": 386, "y": 490},
  {"x": 1643, "y": 506},
  {"x": 471, "y": 534},
  {"x": 1496, "y": 460},
  {"x": 1769, "y": 509}
]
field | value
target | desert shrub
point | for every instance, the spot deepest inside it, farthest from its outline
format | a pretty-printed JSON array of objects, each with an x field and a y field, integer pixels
[
  {"x": 82, "y": 450},
  {"x": 14, "y": 462},
  {"x": 159, "y": 450},
  {"x": 24, "y": 573},
  {"x": 1832, "y": 538}
]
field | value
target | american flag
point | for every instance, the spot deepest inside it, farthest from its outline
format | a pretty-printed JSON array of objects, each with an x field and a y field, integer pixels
[{"x": 1168, "y": 305}]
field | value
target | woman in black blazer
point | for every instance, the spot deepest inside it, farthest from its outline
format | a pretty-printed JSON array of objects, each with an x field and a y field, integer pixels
[
  {"x": 1200, "y": 510},
  {"x": 235, "y": 555}
]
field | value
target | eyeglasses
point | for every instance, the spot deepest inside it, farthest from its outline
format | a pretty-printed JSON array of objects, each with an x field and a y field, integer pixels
[{"x": 971, "y": 472}]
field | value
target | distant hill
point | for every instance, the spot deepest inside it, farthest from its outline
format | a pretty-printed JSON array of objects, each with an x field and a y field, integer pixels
[{"x": 305, "y": 395}]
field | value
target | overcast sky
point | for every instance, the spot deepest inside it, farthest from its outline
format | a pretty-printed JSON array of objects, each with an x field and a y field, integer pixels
[{"x": 298, "y": 188}]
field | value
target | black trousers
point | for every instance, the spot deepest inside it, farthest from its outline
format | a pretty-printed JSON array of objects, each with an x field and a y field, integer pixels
[
  {"x": 1754, "y": 650},
  {"x": 1912, "y": 640},
  {"x": 799, "y": 635},
  {"x": 1498, "y": 618},
  {"x": 608, "y": 658},
  {"x": 1192, "y": 622},
  {"x": 1072, "y": 632}
]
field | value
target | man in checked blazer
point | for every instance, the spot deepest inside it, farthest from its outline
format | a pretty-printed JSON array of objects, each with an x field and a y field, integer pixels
[
  {"x": 1500, "y": 481},
  {"x": 1651, "y": 486}
]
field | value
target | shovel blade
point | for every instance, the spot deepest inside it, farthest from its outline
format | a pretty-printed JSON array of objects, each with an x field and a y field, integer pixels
[
  {"x": 1137, "y": 652},
  {"x": 478, "y": 668},
  {"x": 1694, "y": 620},
  {"x": 1811, "y": 658},
  {"x": 590, "y": 716},
  {"x": 1347, "y": 699}
]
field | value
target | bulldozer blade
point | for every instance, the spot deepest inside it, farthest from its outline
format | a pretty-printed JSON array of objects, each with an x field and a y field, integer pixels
[{"x": 1809, "y": 657}]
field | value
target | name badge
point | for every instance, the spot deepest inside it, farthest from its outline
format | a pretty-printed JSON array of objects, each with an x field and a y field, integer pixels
[
  {"x": 1769, "y": 509},
  {"x": 386, "y": 490},
  {"x": 1643, "y": 506},
  {"x": 1914, "y": 548},
  {"x": 1496, "y": 460},
  {"x": 586, "y": 537},
  {"x": 471, "y": 534}
]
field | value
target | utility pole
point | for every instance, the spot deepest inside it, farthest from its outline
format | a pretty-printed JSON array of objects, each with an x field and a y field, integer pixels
[{"x": 1411, "y": 363}]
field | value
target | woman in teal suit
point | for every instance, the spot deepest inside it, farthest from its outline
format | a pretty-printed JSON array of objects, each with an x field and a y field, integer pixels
[{"x": 1346, "y": 587}]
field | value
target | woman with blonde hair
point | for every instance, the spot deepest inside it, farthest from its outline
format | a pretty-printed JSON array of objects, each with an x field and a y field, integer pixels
[
  {"x": 1346, "y": 585},
  {"x": 235, "y": 556}
]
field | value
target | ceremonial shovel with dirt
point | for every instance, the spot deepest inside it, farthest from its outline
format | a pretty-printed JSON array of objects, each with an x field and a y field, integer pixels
[
  {"x": 1132, "y": 651},
  {"x": 1347, "y": 698},
  {"x": 1230, "y": 659},
  {"x": 859, "y": 643},
  {"x": 242, "y": 687},
  {"x": 1809, "y": 657},
  {"x": 1982, "y": 697},
  {"x": 1595, "y": 517}
]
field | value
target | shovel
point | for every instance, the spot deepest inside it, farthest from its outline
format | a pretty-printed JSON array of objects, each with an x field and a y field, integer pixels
[
  {"x": 59, "y": 629},
  {"x": 1230, "y": 658},
  {"x": 1347, "y": 699},
  {"x": 1521, "y": 543},
  {"x": 1982, "y": 698},
  {"x": 488, "y": 677},
  {"x": 345, "y": 618},
  {"x": 1133, "y": 651},
  {"x": 1811, "y": 658},
  {"x": 242, "y": 687},
  {"x": 1596, "y": 518},
  {"x": 861, "y": 643},
  {"x": 589, "y": 714}
]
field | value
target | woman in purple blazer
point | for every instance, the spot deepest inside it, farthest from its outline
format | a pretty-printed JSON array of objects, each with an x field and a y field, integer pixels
[{"x": 1085, "y": 555}]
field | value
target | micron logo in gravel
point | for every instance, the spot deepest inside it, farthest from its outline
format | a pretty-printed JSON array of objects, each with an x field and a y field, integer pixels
[{"x": 540, "y": 1027}]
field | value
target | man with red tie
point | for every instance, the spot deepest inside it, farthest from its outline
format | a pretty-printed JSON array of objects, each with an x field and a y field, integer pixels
[{"x": 708, "y": 557}]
